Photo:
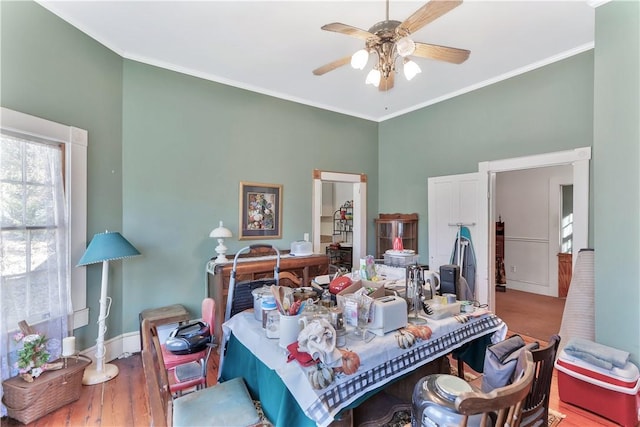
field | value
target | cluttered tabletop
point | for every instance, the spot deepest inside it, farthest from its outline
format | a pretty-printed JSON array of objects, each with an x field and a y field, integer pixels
[{"x": 355, "y": 337}]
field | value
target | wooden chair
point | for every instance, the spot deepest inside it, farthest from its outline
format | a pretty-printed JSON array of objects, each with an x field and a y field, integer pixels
[
  {"x": 225, "y": 404},
  {"x": 536, "y": 407},
  {"x": 504, "y": 403},
  {"x": 190, "y": 370},
  {"x": 289, "y": 279}
]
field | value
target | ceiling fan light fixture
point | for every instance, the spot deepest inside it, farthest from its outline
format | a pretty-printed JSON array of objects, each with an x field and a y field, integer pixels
[
  {"x": 411, "y": 69},
  {"x": 373, "y": 78},
  {"x": 405, "y": 46},
  {"x": 359, "y": 59}
]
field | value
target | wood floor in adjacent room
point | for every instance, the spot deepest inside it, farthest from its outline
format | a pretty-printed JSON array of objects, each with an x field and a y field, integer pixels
[
  {"x": 537, "y": 316},
  {"x": 123, "y": 401}
]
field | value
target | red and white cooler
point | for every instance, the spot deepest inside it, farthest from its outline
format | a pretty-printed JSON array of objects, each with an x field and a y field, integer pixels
[{"x": 613, "y": 394}]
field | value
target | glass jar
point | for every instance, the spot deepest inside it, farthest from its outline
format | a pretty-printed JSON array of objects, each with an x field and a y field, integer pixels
[
  {"x": 273, "y": 324},
  {"x": 314, "y": 311}
]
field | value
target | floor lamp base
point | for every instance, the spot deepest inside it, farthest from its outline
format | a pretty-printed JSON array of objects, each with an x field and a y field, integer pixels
[{"x": 93, "y": 376}]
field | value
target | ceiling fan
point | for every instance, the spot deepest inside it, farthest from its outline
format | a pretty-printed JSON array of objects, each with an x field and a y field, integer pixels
[{"x": 390, "y": 39}]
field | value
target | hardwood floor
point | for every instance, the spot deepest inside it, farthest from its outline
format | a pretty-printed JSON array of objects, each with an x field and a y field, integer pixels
[
  {"x": 123, "y": 401},
  {"x": 537, "y": 316}
]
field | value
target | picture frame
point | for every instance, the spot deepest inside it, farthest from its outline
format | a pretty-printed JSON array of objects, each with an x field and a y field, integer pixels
[{"x": 260, "y": 211}]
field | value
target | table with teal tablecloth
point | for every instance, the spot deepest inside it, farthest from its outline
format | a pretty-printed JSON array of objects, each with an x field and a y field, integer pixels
[{"x": 284, "y": 391}]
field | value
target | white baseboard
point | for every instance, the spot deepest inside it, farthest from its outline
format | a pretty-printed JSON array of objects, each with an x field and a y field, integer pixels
[
  {"x": 126, "y": 344},
  {"x": 533, "y": 288},
  {"x": 118, "y": 347}
]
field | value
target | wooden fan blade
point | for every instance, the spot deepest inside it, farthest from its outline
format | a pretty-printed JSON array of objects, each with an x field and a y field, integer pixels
[
  {"x": 386, "y": 84},
  {"x": 349, "y": 31},
  {"x": 332, "y": 65},
  {"x": 428, "y": 13},
  {"x": 441, "y": 53}
]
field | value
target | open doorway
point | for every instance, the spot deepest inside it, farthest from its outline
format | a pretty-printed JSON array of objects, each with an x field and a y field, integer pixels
[
  {"x": 578, "y": 158},
  {"x": 351, "y": 184},
  {"x": 531, "y": 207},
  {"x": 471, "y": 190}
]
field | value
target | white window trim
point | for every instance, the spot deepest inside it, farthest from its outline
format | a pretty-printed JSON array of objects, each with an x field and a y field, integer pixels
[{"x": 76, "y": 142}]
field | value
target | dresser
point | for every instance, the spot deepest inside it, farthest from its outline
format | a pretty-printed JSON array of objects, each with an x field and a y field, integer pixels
[{"x": 257, "y": 265}]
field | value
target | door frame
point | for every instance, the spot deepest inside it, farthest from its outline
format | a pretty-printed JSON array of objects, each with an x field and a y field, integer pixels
[
  {"x": 579, "y": 158},
  {"x": 359, "y": 182}
]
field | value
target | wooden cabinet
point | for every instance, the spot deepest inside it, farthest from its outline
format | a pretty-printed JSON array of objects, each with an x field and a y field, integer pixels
[
  {"x": 565, "y": 267},
  {"x": 257, "y": 266},
  {"x": 390, "y": 226}
]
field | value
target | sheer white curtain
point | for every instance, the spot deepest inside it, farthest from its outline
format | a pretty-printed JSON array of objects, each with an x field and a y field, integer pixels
[{"x": 34, "y": 257}]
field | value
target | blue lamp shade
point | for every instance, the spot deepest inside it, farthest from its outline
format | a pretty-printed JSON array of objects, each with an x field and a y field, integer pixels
[{"x": 107, "y": 246}]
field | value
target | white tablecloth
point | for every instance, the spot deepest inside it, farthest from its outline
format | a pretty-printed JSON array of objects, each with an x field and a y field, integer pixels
[{"x": 381, "y": 359}]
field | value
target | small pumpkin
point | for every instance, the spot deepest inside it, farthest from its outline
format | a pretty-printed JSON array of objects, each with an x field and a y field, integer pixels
[
  {"x": 350, "y": 362},
  {"x": 422, "y": 332}
]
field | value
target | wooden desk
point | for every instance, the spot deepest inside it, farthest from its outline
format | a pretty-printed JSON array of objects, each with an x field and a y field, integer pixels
[{"x": 252, "y": 268}]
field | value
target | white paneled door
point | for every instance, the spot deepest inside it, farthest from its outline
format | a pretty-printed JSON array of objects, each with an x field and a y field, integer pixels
[{"x": 455, "y": 201}]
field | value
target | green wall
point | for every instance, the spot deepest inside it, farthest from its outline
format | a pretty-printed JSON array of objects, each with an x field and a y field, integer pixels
[
  {"x": 51, "y": 70},
  {"x": 545, "y": 110},
  {"x": 616, "y": 190},
  {"x": 187, "y": 144}
]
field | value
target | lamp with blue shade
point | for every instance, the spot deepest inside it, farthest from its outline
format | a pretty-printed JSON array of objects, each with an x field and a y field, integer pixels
[{"x": 104, "y": 247}]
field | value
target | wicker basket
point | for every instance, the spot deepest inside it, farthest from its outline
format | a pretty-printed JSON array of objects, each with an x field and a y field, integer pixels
[{"x": 26, "y": 402}]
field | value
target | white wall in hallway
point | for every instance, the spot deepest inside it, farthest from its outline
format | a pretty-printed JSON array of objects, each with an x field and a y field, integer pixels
[{"x": 531, "y": 224}]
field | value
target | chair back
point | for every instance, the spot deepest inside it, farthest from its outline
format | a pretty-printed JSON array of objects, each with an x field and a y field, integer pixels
[
  {"x": 159, "y": 394},
  {"x": 505, "y": 402},
  {"x": 289, "y": 279},
  {"x": 536, "y": 406},
  {"x": 209, "y": 313}
]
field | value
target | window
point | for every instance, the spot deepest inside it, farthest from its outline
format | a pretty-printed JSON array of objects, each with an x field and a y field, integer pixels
[
  {"x": 29, "y": 137},
  {"x": 34, "y": 268},
  {"x": 42, "y": 222}
]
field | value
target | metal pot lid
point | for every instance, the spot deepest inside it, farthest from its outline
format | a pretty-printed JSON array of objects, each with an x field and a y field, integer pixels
[
  {"x": 260, "y": 292},
  {"x": 450, "y": 386}
]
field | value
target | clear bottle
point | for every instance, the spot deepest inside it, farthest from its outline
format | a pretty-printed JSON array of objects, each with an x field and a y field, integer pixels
[
  {"x": 273, "y": 324},
  {"x": 268, "y": 304}
]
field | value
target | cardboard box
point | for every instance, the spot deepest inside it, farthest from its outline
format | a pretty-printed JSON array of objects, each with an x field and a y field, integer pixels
[
  {"x": 612, "y": 394},
  {"x": 377, "y": 293},
  {"x": 355, "y": 286}
]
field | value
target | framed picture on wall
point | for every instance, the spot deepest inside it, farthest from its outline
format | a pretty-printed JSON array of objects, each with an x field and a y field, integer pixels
[{"x": 260, "y": 211}]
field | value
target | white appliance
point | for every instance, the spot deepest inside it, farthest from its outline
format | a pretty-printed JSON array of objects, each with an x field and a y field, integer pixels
[{"x": 388, "y": 314}]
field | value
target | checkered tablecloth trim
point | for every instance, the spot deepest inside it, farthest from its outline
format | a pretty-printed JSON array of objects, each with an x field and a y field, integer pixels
[{"x": 334, "y": 399}]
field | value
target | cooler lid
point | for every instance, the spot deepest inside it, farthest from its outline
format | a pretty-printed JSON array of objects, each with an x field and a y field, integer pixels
[{"x": 624, "y": 377}]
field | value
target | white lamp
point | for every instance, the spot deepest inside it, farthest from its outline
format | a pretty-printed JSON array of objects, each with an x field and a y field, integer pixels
[
  {"x": 104, "y": 247},
  {"x": 220, "y": 233}
]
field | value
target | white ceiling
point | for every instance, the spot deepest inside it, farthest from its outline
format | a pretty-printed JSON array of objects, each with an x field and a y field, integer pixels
[{"x": 271, "y": 47}]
